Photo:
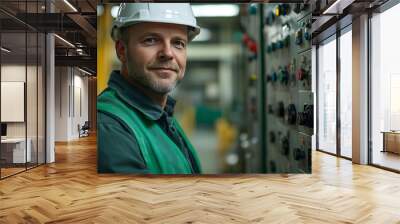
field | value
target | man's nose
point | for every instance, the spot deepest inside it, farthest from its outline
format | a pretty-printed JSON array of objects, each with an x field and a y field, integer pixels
[{"x": 165, "y": 52}]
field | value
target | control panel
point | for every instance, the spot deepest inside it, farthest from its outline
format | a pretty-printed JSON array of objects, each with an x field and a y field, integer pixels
[{"x": 289, "y": 99}]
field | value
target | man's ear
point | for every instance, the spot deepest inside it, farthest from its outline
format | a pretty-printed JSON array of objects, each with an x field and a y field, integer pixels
[{"x": 120, "y": 49}]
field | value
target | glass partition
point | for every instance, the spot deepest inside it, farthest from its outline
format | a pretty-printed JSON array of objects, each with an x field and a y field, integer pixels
[
  {"x": 22, "y": 88},
  {"x": 14, "y": 152}
]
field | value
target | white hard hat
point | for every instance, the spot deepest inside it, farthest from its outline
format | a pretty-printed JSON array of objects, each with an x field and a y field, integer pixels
[{"x": 175, "y": 13}]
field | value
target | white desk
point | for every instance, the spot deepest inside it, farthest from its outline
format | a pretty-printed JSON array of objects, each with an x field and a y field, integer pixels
[{"x": 18, "y": 149}]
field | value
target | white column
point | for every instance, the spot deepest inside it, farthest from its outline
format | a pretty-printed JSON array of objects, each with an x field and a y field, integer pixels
[
  {"x": 50, "y": 100},
  {"x": 360, "y": 90}
]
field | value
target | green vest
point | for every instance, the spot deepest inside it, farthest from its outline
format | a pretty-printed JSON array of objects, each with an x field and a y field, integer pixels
[{"x": 161, "y": 154}]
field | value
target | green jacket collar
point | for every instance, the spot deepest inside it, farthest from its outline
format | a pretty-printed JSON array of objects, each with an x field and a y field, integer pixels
[{"x": 137, "y": 99}]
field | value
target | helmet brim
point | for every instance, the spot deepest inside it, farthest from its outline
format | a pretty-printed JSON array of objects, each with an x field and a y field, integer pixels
[{"x": 193, "y": 31}]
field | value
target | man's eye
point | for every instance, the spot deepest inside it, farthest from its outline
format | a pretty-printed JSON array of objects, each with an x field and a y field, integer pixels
[
  {"x": 150, "y": 41},
  {"x": 180, "y": 44}
]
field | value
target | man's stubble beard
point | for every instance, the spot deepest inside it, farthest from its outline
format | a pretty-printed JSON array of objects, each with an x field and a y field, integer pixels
[{"x": 147, "y": 81}]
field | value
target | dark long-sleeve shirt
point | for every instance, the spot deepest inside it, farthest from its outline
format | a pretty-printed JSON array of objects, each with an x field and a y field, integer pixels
[{"x": 118, "y": 150}]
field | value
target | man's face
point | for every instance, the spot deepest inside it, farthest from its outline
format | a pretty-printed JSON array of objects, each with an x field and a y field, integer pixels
[{"x": 156, "y": 55}]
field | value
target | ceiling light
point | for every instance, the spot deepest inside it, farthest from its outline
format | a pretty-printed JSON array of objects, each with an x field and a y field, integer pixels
[
  {"x": 5, "y": 49},
  {"x": 217, "y": 10},
  {"x": 204, "y": 35},
  {"x": 84, "y": 71},
  {"x": 70, "y": 5},
  {"x": 114, "y": 11},
  {"x": 65, "y": 41},
  {"x": 100, "y": 10},
  {"x": 338, "y": 6},
  {"x": 79, "y": 51}
]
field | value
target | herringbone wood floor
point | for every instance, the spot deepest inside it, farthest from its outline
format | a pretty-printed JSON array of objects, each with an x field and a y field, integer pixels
[{"x": 70, "y": 191}]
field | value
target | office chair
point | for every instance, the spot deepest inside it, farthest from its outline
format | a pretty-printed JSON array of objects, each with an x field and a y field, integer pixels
[{"x": 84, "y": 130}]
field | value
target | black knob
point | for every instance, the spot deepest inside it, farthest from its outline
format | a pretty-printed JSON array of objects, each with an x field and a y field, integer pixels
[
  {"x": 272, "y": 137},
  {"x": 299, "y": 154},
  {"x": 281, "y": 109},
  {"x": 292, "y": 114},
  {"x": 285, "y": 145}
]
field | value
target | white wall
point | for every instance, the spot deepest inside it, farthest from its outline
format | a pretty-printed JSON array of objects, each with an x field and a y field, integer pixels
[
  {"x": 71, "y": 93},
  {"x": 79, "y": 117},
  {"x": 13, "y": 72},
  {"x": 61, "y": 103},
  {"x": 16, "y": 73},
  {"x": 33, "y": 126}
]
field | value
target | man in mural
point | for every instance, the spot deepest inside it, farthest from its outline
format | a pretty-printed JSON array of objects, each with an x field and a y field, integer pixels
[{"x": 137, "y": 132}]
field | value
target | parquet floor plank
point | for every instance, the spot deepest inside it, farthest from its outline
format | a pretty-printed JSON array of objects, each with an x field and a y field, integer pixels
[{"x": 70, "y": 191}]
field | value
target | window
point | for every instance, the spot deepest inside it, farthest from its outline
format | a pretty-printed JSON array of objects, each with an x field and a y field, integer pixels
[
  {"x": 327, "y": 96},
  {"x": 346, "y": 93},
  {"x": 385, "y": 88}
]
